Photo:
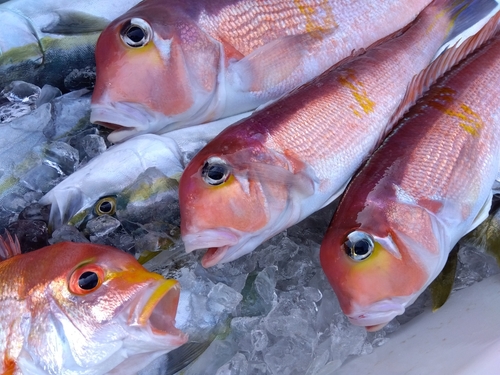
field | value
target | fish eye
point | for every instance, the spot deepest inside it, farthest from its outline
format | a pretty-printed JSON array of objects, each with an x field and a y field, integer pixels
[
  {"x": 105, "y": 206},
  {"x": 215, "y": 171},
  {"x": 86, "y": 279},
  {"x": 359, "y": 245},
  {"x": 136, "y": 33}
]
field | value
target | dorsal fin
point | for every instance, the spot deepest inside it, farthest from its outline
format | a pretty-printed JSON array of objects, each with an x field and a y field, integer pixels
[
  {"x": 9, "y": 246},
  {"x": 445, "y": 61}
]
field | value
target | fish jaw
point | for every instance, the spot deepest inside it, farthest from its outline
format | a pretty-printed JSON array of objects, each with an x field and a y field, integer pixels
[
  {"x": 223, "y": 244},
  {"x": 155, "y": 312},
  {"x": 128, "y": 119},
  {"x": 172, "y": 80},
  {"x": 378, "y": 314}
]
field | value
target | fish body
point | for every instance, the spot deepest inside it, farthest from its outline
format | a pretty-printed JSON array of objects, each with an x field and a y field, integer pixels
[
  {"x": 111, "y": 172},
  {"x": 74, "y": 308},
  {"x": 43, "y": 42},
  {"x": 170, "y": 64},
  {"x": 427, "y": 186},
  {"x": 286, "y": 161}
]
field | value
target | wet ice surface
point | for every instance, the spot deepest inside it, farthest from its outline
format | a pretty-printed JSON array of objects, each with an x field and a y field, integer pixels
[{"x": 269, "y": 312}]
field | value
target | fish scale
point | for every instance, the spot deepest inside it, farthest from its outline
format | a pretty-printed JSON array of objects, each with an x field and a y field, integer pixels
[
  {"x": 217, "y": 59},
  {"x": 296, "y": 155},
  {"x": 427, "y": 186},
  {"x": 52, "y": 321}
]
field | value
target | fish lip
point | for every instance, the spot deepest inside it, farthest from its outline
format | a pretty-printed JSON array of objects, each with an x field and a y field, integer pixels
[
  {"x": 213, "y": 256},
  {"x": 120, "y": 115},
  {"x": 209, "y": 239},
  {"x": 126, "y": 119},
  {"x": 377, "y": 315},
  {"x": 158, "y": 311}
]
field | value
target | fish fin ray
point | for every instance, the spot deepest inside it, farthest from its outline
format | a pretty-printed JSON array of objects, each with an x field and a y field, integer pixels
[
  {"x": 264, "y": 69},
  {"x": 181, "y": 357},
  {"x": 469, "y": 18},
  {"x": 9, "y": 246},
  {"x": 442, "y": 286},
  {"x": 74, "y": 22},
  {"x": 444, "y": 61}
]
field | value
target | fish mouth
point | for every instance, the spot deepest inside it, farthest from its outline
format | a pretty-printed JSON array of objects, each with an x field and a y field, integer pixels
[
  {"x": 216, "y": 241},
  {"x": 378, "y": 314},
  {"x": 126, "y": 119},
  {"x": 213, "y": 256},
  {"x": 159, "y": 311}
]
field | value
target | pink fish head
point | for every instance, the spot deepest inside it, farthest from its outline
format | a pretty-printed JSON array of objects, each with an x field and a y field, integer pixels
[
  {"x": 89, "y": 301},
  {"x": 232, "y": 195},
  {"x": 156, "y": 71},
  {"x": 377, "y": 267}
]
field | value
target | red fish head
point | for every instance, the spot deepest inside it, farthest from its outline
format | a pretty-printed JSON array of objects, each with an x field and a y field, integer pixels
[
  {"x": 100, "y": 296},
  {"x": 156, "y": 71},
  {"x": 375, "y": 269},
  {"x": 230, "y": 194}
]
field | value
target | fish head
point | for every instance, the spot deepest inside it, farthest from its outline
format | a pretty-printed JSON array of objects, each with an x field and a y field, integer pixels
[
  {"x": 107, "y": 306},
  {"x": 379, "y": 261},
  {"x": 92, "y": 190},
  {"x": 236, "y": 193},
  {"x": 156, "y": 71}
]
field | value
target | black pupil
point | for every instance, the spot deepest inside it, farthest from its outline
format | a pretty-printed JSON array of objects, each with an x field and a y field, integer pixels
[
  {"x": 88, "y": 280},
  {"x": 135, "y": 34},
  {"x": 215, "y": 172},
  {"x": 106, "y": 207},
  {"x": 361, "y": 247}
]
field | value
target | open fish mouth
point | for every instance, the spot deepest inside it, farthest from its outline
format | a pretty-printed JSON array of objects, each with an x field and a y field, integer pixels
[
  {"x": 216, "y": 241},
  {"x": 159, "y": 311},
  {"x": 126, "y": 119}
]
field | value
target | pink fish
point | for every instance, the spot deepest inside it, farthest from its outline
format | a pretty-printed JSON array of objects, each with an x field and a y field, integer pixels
[
  {"x": 427, "y": 186},
  {"x": 268, "y": 172},
  {"x": 170, "y": 64},
  {"x": 76, "y": 308}
]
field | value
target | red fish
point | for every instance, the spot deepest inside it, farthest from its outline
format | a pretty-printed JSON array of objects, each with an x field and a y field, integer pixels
[
  {"x": 82, "y": 308},
  {"x": 427, "y": 186},
  {"x": 271, "y": 170},
  {"x": 169, "y": 64}
]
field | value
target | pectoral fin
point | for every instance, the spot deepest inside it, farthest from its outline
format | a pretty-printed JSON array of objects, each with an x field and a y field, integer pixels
[
  {"x": 270, "y": 66},
  {"x": 442, "y": 285}
]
